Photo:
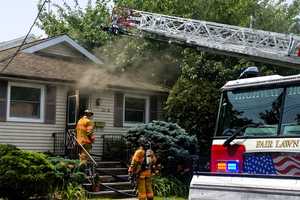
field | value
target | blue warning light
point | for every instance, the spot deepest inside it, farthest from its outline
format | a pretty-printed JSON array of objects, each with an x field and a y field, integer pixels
[{"x": 232, "y": 166}]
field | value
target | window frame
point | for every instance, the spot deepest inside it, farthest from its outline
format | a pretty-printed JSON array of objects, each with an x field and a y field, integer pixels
[
  {"x": 147, "y": 109},
  {"x": 42, "y": 102}
]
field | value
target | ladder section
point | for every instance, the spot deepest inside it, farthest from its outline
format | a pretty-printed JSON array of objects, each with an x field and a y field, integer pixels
[{"x": 257, "y": 45}]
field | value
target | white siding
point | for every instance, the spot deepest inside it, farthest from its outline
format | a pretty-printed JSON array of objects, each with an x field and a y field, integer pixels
[
  {"x": 36, "y": 136},
  {"x": 104, "y": 113}
]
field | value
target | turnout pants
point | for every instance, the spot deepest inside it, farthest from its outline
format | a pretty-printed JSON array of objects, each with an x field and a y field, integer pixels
[
  {"x": 144, "y": 186},
  {"x": 82, "y": 155}
]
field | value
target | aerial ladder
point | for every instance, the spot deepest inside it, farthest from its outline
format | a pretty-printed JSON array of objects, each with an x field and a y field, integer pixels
[{"x": 252, "y": 44}]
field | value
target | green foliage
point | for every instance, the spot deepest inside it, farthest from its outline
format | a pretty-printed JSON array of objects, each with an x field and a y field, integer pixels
[
  {"x": 84, "y": 25},
  {"x": 171, "y": 144},
  {"x": 73, "y": 192},
  {"x": 169, "y": 186},
  {"x": 24, "y": 174},
  {"x": 67, "y": 171},
  {"x": 270, "y": 15}
]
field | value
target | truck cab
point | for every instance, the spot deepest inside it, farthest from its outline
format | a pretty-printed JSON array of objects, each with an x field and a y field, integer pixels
[{"x": 255, "y": 152}]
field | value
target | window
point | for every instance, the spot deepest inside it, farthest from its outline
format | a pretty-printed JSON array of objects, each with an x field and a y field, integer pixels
[
  {"x": 136, "y": 109},
  {"x": 243, "y": 108},
  {"x": 25, "y": 102},
  {"x": 291, "y": 114}
]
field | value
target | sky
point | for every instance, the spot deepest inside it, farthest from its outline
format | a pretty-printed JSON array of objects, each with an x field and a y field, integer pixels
[{"x": 16, "y": 17}]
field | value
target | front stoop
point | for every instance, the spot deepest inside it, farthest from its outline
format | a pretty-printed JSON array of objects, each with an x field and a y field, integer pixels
[{"x": 114, "y": 181}]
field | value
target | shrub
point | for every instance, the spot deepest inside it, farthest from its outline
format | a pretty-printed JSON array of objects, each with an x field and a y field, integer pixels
[
  {"x": 171, "y": 144},
  {"x": 24, "y": 174},
  {"x": 71, "y": 192},
  {"x": 67, "y": 172},
  {"x": 168, "y": 186}
]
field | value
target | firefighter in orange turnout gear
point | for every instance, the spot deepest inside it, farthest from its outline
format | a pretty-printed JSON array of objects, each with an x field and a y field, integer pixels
[
  {"x": 141, "y": 164},
  {"x": 85, "y": 135}
]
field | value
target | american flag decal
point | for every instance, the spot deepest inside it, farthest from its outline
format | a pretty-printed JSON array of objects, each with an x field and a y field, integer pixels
[
  {"x": 267, "y": 163},
  {"x": 287, "y": 164}
]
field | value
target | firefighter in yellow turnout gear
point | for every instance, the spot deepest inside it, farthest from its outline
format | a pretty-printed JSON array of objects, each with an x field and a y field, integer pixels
[
  {"x": 85, "y": 135},
  {"x": 141, "y": 164}
]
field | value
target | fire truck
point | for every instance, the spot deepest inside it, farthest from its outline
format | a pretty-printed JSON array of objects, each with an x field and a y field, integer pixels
[{"x": 255, "y": 152}]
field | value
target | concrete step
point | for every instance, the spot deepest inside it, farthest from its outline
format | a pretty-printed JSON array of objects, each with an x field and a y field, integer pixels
[
  {"x": 118, "y": 185},
  {"x": 109, "y": 178},
  {"x": 115, "y": 171},
  {"x": 109, "y": 164}
]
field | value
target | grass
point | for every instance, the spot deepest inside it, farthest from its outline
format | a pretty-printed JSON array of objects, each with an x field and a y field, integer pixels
[
  {"x": 169, "y": 198},
  {"x": 156, "y": 198}
]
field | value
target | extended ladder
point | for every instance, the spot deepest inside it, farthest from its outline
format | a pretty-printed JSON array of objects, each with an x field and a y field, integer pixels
[{"x": 257, "y": 45}]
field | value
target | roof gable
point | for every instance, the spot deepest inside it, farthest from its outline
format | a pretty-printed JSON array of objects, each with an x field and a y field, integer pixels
[{"x": 64, "y": 39}]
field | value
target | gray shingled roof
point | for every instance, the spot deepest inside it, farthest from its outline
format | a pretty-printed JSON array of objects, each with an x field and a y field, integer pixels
[{"x": 34, "y": 66}]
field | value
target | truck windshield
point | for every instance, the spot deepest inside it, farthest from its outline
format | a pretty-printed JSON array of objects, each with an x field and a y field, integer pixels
[
  {"x": 245, "y": 107},
  {"x": 291, "y": 112}
]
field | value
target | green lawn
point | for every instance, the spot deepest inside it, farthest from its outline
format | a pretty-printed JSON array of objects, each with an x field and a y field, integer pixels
[
  {"x": 156, "y": 198},
  {"x": 169, "y": 198}
]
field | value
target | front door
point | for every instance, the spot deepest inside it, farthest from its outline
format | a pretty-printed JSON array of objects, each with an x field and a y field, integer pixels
[
  {"x": 72, "y": 109},
  {"x": 76, "y": 104},
  {"x": 71, "y": 120}
]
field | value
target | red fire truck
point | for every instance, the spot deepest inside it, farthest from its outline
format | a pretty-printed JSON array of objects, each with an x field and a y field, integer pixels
[
  {"x": 258, "y": 128},
  {"x": 256, "y": 149}
]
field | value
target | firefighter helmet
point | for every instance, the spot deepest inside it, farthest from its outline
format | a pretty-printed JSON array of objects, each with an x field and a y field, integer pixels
[{"x": 87, "y": 111}]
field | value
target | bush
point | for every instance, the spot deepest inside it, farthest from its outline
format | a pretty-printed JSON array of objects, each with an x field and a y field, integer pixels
[
  {"x": 71, "y": 192},
  {"x": 171, "y": 144},
  {"x": 67, "y": 172},
  {"x": 168, "y": 186},
  {"x": 24, "y": 174}
]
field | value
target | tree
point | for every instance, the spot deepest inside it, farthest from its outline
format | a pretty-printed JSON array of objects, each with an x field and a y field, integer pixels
[
  {"x": 84, "y": 25},
  {"x": 193, "y": 101}
]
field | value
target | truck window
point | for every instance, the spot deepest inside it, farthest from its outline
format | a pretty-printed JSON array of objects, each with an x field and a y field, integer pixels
[
  {"x": 241, "y": 108},
  {"x": 291, "y": 114}
]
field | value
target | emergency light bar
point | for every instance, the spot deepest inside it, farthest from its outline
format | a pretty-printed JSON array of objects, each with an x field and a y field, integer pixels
[{"x": 230, "y": 166}]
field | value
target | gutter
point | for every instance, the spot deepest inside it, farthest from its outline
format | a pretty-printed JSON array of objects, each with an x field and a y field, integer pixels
[
  {"x": 130, "y": 89},
  {"x": 37, "y": 79}
]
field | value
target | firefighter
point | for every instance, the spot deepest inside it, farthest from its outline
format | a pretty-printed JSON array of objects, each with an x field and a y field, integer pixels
[
  {"x": 141, "y": 163},
  {"x": 85, "y": 135}
]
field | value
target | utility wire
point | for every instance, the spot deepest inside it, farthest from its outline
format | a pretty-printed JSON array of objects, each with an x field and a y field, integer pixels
[{"x": 23, "y": 42}]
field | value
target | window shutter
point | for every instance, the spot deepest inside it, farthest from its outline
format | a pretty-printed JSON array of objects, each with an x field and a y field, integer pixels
[
  {"x": 153, "y": 108},
  {"x": 3, "y": 100},
  {"x": 118, "y": 109},
  {"x": 50, "y": 104}
]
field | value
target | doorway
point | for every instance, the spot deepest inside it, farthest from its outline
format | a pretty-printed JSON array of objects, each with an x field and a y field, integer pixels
[{"x": 76, "y": 105}]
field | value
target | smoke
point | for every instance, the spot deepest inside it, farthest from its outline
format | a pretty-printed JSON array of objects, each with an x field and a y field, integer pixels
[
  {"x": 95, "y": 78},
  {"x": 134, "y": 57}
]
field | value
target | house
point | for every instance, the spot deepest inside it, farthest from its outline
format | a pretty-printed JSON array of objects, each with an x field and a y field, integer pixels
[{"x": 52, "y": 81}]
